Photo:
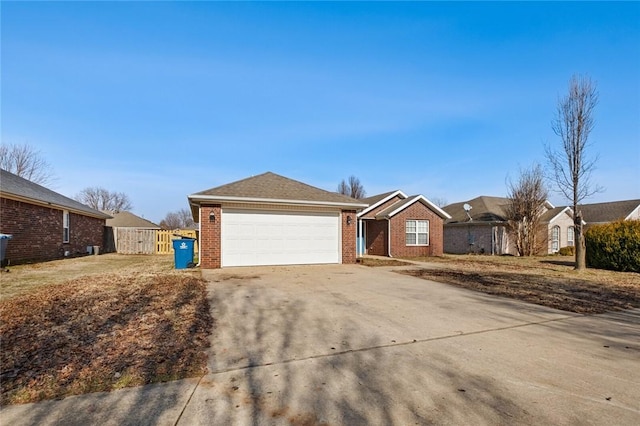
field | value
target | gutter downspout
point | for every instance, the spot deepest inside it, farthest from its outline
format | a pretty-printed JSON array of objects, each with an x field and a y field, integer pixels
[
  {"x": 389, "y": 237},
  {"x": 199, "y": 234}
]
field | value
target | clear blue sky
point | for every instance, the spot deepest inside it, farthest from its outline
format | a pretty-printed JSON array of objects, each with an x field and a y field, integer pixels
[{"x": 161, "y": 100}]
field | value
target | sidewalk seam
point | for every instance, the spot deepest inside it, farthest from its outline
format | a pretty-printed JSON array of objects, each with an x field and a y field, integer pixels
[{"x": 189, "y": 400}]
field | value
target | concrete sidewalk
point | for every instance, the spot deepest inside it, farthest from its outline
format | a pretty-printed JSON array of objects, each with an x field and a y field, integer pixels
[{"x": 355, "y": 345}]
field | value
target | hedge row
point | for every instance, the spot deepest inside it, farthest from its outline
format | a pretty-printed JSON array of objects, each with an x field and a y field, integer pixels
[{"x": 614, "y": 246}]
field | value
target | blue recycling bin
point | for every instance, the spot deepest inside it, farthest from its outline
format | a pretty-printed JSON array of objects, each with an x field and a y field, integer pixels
[{"x": 183, "y": 253}]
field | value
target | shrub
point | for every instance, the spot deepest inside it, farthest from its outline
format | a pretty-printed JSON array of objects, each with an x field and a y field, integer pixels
[
  {"x": 614, "y": 246},
  {"x": 567, "y": 251}
]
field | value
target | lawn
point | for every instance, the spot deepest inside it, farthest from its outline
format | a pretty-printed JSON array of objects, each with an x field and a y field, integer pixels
[
  {"x": 548, "y": 281},
  {"x": 99, "y": 323}
]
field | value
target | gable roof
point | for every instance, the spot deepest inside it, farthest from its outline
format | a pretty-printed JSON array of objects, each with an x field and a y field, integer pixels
[
  {"x": 483, "y": 209},
  {"x": 272, "y": 188},
  {"x": 551, "y": 214},
  {"x": 14, "y": 186},
  {"x": 377, "y": 200},
  {"x": 396, "y": 208},
  {"x": 608, "y": 212},
  {"x": 129, "y": 220}
]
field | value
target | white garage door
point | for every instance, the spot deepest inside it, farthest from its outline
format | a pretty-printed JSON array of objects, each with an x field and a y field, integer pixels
[{"x": 256, "y": 237}]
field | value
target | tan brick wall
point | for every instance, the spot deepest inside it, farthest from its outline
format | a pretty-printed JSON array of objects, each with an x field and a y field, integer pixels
[
  {"x": 210, "y": 237},
  {"x": 376, "y": 237},
  {"x": 349, "y": 234},
  {"x": 37, "y": 232},
  {"x": 419, "y": 211},
  {"x": 564, "y": 222}
]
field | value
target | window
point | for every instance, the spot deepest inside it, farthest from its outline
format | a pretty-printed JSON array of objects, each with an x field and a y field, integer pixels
[
  {"x": 570, "y": 237},
  {"x": 65, "y": 226},
  {"x": 555, "y": 239},
  {"x": 417, "y": 232}
]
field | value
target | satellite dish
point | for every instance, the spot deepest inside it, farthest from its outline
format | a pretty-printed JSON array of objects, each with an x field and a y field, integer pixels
[{"x": 467, "y": 207}]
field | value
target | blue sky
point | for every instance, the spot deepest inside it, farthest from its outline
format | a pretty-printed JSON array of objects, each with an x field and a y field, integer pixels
[{"x": 161, "y": 100}]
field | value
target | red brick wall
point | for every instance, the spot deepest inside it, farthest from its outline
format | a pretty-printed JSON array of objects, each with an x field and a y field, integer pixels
[
  {"x": 349, "y": 234},
  {"x": 37, "y": 232},
  {"x": 418, "y": 211},
  {"x": 376, "y": 240},
  {"x": 372, "y": 213},
  {"x": 210, "y": 233}
]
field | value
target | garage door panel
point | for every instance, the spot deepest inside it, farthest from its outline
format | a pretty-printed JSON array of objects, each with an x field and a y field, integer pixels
[{"x": 279, "y": 238}]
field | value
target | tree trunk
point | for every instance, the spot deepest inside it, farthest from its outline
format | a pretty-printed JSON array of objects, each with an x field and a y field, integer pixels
[{"x": 581, "y": 262}]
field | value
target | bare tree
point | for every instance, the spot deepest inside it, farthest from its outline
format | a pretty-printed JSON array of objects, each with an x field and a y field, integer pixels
[
  {"x": 439, "y": 201},
  {"x": 527, "y": 197},
  {"x": 105, "y": 200},
  {"x": 353, "y": 188},
  {"x": 27, "y": 162},
  {"x": 178, "y": 220},
  {"x": 171, "y": 221},
  {"x": 571, "y": 167}
]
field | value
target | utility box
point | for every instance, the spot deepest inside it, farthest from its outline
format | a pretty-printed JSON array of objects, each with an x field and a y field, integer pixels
[
  {"x": 183, "y": 253},
  {"x": 4, "y": 240}
]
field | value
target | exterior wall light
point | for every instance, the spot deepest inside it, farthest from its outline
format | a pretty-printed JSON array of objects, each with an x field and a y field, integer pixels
[
  {"x": 212, "y": 217},
  {"x": 349, "y": 220}
]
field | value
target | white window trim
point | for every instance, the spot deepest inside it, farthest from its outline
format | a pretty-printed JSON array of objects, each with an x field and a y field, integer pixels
[
  {"x": 555, "y": 239},
  {"x": 65, "y": 227},
  {"x": 417, "y": 233},
  {"x": 571, "y": 232}
]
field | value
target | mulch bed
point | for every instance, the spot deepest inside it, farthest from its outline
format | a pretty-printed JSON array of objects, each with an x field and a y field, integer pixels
[
  {"x": 102, "y": 334},
  {"x": 559, "y": 292}
]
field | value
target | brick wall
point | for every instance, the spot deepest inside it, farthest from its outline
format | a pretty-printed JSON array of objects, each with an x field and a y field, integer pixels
[
  {"x": 419, "y": 211},
  {"x": 210, "y": 237},
  {"x": 349, "y": 234},
  {"x": 376, "y": 240},
  {"x": 37, "y": 232}
]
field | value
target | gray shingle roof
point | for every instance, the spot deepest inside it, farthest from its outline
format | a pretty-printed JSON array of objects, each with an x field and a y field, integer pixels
[
  {"x": 130, "y": 220},
  {"x": 395, "y": 206},
  {"x": 608, "y": 212},
  {"x": 551, "y": 213},
  {"x": 270, "y": 186},
  {"x": 401, "y": 204},
  {"x": 11, "y": 184},
  {"x": 376, "y": 198},
  {"x": 483, "y": 209}
]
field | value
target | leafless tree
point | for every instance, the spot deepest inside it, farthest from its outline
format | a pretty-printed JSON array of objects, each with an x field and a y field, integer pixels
[
  {"x": 527, "y": 197},
  {"x": 27, "y": 162},
  {"x": 353, "y": 188},
  {"x": 571, "y": 166},
  {"x": 439, "y": 201},
  {"x": 105, "y": 200},
  {"x": 178, "y": 220}
]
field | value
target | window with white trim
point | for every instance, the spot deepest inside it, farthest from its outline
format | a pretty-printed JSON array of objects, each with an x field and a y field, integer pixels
[
  {"x": 555, "y": 239},
  {"x": 570, "y": 236},
  {"x": 417, "y": 232},
  {"x": 65, "y": 226}
]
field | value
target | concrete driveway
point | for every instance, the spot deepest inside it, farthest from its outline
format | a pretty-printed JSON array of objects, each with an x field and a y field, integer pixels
[{"x": 354, "y": 345}]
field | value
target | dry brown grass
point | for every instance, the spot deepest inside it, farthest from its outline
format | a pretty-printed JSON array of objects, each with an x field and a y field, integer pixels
[
  {"x": 380, "y": 261},
  {"x": 548, "y": 281},
  {"x": 140, "y": 323}
]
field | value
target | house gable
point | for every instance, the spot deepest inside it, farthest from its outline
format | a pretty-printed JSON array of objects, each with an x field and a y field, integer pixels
[{"x": 380, "y": 202}]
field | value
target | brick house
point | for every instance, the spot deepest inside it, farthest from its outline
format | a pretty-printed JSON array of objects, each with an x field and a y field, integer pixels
[
  {"x": 483, "y": 229},
  {"x": 45, "y": 225},
  {"x": 397, "y": 225},
  {"x": 269, "y": 219}
]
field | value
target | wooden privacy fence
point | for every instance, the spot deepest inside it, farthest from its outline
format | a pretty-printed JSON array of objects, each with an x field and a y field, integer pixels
[
  {"x": 149, "y": 241},
  {"x": 164, "y": 240}
]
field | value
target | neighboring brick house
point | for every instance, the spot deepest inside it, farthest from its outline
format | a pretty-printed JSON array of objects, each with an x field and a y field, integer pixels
[
  {"x": 45, "y": 225},
  {"x": 483, "y": 229},
  {"x": 397, "y": 225},
  {"x": 273, "y": 220}
]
